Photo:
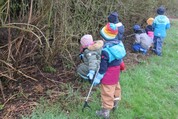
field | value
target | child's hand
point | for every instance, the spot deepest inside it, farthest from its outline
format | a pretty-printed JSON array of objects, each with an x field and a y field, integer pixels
[
  {"x": 91, "y": 74},
  {"x": 122, "y": 66},
  {"x": 97, "y": 79},
  {"x": 81, "y": 56}
]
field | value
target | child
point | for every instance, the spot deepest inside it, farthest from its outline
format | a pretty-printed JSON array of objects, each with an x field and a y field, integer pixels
[
  {"x": 90, "y": 53},
  {"x": 142, "y": 40},
  {"x": 149, "y": 28},
  {"x": 160, "y": 24},
  {"x": 113, "y": 18},
  {"x": 109, "y": 71}
]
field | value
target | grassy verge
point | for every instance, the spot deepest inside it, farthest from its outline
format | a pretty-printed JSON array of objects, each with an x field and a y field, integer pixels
[{"x": 149, "y": 91}]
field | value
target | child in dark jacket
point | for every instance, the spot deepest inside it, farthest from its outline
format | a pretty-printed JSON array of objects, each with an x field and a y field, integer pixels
[
  {"x": 109, "y": 72},
  {"x": 113, "y": 18},
  {"x": 160, "y": 24},
  {"x": 149, "y": 28}
]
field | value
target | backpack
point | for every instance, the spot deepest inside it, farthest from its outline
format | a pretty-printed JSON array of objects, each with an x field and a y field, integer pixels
[{"x": 116, "y": 51}]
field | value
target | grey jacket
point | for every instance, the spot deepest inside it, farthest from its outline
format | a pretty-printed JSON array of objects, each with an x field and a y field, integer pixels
[{"x": 144, "y": 40}]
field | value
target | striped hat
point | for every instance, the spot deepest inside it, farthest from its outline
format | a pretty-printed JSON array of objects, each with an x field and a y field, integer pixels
[
  {"x": 109, "y": 32},
  {"x": 86, "y": 40},
  {"x": 150, "y": 21}
]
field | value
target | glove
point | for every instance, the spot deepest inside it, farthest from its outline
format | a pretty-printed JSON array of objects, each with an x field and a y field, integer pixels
[
  {"x": 81, "y": 56},
  {"x": 97, "y": 79},
  {"x": 91, "y": 74},
  {"x": 122, "y": 66}
]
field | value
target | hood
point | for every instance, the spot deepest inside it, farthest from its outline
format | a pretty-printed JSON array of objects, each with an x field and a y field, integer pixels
[
  {"x": 97, "y": 45},
  {"x": 161, "y": 19}
]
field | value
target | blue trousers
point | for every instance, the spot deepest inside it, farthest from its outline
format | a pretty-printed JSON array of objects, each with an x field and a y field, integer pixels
[
  {"x": 158, "y": 44},
  {"x": 138, "y": 48}
]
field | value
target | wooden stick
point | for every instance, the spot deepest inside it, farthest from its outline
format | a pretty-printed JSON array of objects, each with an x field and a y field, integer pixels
[
  {"x": 1, "y": 87},
  {"x": 17, "y": 70}
]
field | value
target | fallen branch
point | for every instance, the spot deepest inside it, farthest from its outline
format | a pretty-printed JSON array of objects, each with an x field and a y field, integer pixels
[
  {"x": 1, "y": 87},
  {"x": 9, "y": 65}
]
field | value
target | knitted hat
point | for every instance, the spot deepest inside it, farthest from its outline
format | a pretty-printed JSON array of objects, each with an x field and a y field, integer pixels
[
  {"x": 113, "y": 17},
  {"x": 161, "y": 10},
  {"x": 109, "y": 32},
  {"x": 86, "y": 40},
  {"x": 150, "y": 21},
  {"x": 136, "y": 27}
]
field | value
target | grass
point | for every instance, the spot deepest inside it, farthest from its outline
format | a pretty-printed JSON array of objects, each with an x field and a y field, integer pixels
[{"x": 149, "y": 91}]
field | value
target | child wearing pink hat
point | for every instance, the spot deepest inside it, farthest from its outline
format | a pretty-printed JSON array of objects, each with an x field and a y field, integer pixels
[{"x": 90, "y": 54}]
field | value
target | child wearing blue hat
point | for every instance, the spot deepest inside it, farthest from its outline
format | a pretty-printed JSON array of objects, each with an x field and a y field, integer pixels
[
  {"x": 113, "y": 18},
  {"x": 142, "y": 41},
  {"x": 160, "y": 24}
]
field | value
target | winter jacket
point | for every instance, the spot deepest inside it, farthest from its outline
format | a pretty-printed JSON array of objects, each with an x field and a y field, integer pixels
[
  {"x": 160, "y": 24},
  {"x": 109, "y": 66},
  {"x": 143, "y": 39},
  {"x": 92, "y": 55},
  {"x": 121, "y": 30},
  {"x": 91, "y": 59},
  {"x": 150, "y": 31}
]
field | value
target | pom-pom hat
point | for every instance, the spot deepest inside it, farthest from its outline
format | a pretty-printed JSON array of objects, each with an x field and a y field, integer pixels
[{"x": 109, "y": 32}]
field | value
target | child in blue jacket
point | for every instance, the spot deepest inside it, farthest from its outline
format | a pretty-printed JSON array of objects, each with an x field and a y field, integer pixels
[{"x": 160, "y": 24}]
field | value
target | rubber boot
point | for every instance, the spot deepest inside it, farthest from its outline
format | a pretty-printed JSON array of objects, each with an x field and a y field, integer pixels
[{"x": 103, "y": 113}]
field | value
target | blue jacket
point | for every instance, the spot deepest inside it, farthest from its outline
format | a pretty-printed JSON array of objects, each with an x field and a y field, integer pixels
[{"x": 160, "y": 24}]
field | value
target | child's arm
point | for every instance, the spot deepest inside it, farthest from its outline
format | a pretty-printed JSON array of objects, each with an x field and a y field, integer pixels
[
  {"x": 168, "y": 25},
  {"x": 137, "y": 39}
]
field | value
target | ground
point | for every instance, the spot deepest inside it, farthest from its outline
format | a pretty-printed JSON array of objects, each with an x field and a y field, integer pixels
[{"x": 22, "y": 96}]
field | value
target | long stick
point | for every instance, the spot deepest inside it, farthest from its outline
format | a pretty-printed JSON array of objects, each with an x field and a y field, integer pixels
[
  {"x": 2, "y": 90},
  {"x": 92, "y": 85}
]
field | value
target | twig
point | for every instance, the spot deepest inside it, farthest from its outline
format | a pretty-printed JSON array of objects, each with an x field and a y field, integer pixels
[
  {"x": 1, "y": 74},
  {"x": 30, "y": 14},
  {"x": 33, "y": 27},
  {"x": 18, "y": 70},
  {"x": 1, "y": 87},
  {"x": 47, "y": 77},
  {"x": 23, "y": 29}
]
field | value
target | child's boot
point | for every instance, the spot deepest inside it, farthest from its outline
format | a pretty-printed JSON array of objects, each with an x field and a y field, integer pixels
[
  {"x": 116, "y": 103},
  {"x": 143, "y": 51},
  {"x": 103, "y": 113}
]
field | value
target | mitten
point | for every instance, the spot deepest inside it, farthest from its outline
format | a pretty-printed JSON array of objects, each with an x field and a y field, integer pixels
[
  {"x": 97, "y": 79},
  {"x": 91, "y": 74},
  {"x": 122, "y": 66},
  {"x": 81, "y": 56}
]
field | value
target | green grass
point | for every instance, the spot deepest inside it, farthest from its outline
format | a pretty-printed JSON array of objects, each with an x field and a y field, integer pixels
[{"x": 149, "y": 91}]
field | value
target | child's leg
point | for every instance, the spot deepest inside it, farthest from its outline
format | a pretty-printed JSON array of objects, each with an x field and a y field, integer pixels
[
  {"x": 117, "y": 96},
  {"x": 82, "y": 70},
  {"x": 136, "y": 47},
  {"x": 117, "y": 93},
  {"x": 107, "y": 96},
  {"x": 159, "y": 46},
  {"x": 158, "y": 42},
  {"x": 154, "y": 43}
]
